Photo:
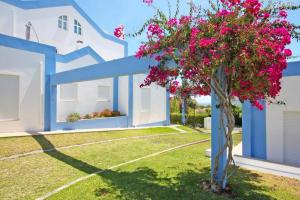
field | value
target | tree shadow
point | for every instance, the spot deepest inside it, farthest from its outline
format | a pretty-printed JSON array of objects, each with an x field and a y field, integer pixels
[{"x": 147, "y": 183}]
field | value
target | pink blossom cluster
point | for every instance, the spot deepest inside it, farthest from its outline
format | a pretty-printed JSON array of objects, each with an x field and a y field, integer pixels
[
  {"x": 149, "y": 2},
  {"x": 119, "y": 32},
  {"x": 242, "y": 40}
]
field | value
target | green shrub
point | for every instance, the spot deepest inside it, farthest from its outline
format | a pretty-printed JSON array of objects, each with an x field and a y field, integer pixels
[
  {"x": 88, "y": 116},
  {"x": 73, "y": 117},
  {"x": 195, "y": 121}
]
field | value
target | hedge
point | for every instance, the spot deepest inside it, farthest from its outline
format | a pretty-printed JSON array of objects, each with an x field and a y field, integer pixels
[{"x": 198, "y": 120}]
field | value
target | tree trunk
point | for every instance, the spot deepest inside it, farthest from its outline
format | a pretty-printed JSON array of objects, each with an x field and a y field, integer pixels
[{"x": 226, "y": 123}]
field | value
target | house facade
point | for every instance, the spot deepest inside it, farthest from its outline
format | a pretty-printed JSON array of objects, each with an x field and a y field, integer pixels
[
  {"x": 40, "y": 39},
  {"x": 274, "y": 133}
]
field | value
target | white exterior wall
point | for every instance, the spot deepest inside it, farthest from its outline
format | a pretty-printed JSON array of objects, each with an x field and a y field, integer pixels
[
  {"x": 29, "y": 67},
  {"x": 87, "y": 92},
  {"x": 64, "y": 41},
  {"x": 123, "y": 94},
  {"x": 157, "y": 111},
  {"x": 274, "y": 117}
]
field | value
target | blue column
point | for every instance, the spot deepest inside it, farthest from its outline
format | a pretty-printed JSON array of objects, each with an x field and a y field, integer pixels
[
  {"x": 50, "y": 93},
  {"x": 116, "y": 94},
  {"x": 217, "y": 136},
  {"x": 254, "y": 131},
  {"x": 130, "y": 100},
  {"x": 183, "y": 120},
  {"x": 167, "y": 108}
]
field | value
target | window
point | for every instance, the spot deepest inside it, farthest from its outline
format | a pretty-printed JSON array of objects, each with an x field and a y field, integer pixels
[
  {"x": 103, "y": 93},
  {"x": 145, "y": 99},
  {"x": 68, "y": 92},
  {"x": 9, "y": 101},
  {"x": 63, "y": 22},
  {"x": 77, "y": 27}
]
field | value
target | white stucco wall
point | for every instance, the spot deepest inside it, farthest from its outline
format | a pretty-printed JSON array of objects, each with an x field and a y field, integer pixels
[
  {"x": 157, "y": 112},
  {"x": 87, "y": 92},
  {"x": 123, "y": 94},
  {"x": 30, "y": 69},
  {"x": 275, "y": 117},
  {"x": 64, "y": 41}
]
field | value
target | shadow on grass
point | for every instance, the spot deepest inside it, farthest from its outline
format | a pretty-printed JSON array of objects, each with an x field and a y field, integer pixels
[{"x": 146, "y": 183}]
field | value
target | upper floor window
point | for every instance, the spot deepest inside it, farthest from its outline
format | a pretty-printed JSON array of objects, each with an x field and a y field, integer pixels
[
  {"x": 77, "y": 27},
  {"x": 63, "y": 22}
]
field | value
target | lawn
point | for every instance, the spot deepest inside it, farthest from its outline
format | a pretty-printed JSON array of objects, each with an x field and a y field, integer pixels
[{"x": 172, "y": 175}]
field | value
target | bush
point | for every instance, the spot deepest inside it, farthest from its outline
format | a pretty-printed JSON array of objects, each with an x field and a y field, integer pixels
[
  {"x": 197, "y": 120},
  {"x": 115, "y": 114},
  {"x": 88, "y": 116},
  {"x": 106, "y": 113},
  {"x": 73, "y": 117}
]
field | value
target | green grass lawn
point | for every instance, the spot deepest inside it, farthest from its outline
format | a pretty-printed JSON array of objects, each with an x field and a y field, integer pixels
[{"x": 172, "y": 175}]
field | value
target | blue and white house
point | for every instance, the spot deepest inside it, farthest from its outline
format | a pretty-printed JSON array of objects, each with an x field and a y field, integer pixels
[
  {"x": 274, "y": 133},
  {"x": 54, "y": 60}
]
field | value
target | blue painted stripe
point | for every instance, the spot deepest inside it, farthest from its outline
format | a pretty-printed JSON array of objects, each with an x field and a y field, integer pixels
[
  {"x": 36, "y": 4},
  {"x": 116, "y": 94},
  {"x": 78, "y": 54},
  {"x": 293, "y": 69},
  {"x": 254, "y": 131},
  {"x": 119, "y": 67},
  {"x": 110, "y": 122}
]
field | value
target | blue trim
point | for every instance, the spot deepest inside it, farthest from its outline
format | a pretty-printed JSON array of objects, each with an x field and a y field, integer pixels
[
  {"x": 50, "y": 53},
  {"x": 36, "y": 4},
  {"x": 293, "y": 69},
  {"x": 116, "y": 94},
  {"x": 114, "y": 68},
  {"x": 254, "y": 131},
  {"x": 168, "y": 120},
  {"x": 110, "y": 122},
  {"x": 161, "y": 123},
  {"x": 183, "y": 120},
  {"x": 217, "y": 134},
  {"x": 78, "y": 54},
  {"x": 130, "y": 100}
]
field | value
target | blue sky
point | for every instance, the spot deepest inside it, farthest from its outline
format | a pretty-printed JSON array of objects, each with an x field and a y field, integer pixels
[{"x": 108, "y": 14}]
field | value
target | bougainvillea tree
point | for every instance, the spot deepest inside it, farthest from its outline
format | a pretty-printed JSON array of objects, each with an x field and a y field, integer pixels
[{"x": 236, "y": 49}]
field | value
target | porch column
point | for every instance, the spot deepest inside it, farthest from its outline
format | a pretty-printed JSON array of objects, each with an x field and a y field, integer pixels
[
  {"x": 50, "y": 96},
  {"x": 217, "y": 134},
  {"x": 168, "y": 108},
  {"x": 254, "y": 131},
  {"x": 183, "y": 119},
  {"x": 130, "y": 100},
  {"x": 116, "y": 94}
]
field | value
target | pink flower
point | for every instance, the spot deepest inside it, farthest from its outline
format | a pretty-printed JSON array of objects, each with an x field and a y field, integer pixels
[
  {"x": 206, "y": 42},
  {"x": 172, "y": 22},
  {"x": 258, "y": 105},
  {"x": 283, "y": 14},
  {"x": 119, "y": 32},
  {"x": 252, "y": 6},
  {"x": 184, "y": 20},
  {"x": 149, "y": 2},
  {"x": 155, "y": 29},
  {"x": 287, "y": 52}
]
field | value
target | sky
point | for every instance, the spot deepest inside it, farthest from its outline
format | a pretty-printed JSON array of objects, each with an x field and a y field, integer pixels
[{"x": 108, "y": 14}]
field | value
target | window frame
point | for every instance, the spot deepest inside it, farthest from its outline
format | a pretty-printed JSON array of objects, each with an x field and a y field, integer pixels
[
  {"x": 62, "y": 22},
  {"x": 77, "y": 27}
]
